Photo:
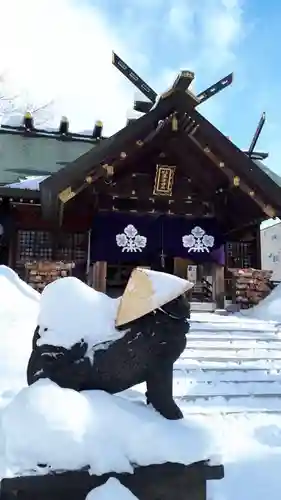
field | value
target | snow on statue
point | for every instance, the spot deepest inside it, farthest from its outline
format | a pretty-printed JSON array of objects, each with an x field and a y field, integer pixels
[{"x": 85, "y": 340}]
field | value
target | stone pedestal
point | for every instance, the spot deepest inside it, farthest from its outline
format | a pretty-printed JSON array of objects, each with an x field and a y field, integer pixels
[{"x": 154, "y": 482}]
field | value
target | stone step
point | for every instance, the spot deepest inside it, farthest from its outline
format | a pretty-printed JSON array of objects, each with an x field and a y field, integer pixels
[
  {"x": 232, "y": 355},
  {"x": 193, "y": 388},
  {"x": 258, "y": 402},
  {"x": 224, "y": 409},
  {"x": 248, "y": 327},
  {"x": 229, "y": 363},
  {"x": 202, "y": 307},
  {"x": 228, "y": 337},
  {"x": 226, "y": 374},
  {"x": 239, "y": 347}
]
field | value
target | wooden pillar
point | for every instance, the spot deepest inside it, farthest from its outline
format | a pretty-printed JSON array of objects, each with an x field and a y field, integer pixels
[
  {"x": 258, "y": 247},
  {"x": 13, "y": 243},
  {"x": 99, "y": 276},
  {"x": 180, "y": 267},
  {"x": 218, "y": 286}
]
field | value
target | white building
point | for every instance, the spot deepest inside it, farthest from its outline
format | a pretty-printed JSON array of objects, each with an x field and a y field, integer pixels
[{"x": 271, "y": 250}]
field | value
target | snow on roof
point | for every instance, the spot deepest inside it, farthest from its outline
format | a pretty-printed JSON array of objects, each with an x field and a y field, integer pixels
[
  {"x": 32, "y": 182},
  {"x": 36, "y": 156},
  {"x": 111, "y": 490}
]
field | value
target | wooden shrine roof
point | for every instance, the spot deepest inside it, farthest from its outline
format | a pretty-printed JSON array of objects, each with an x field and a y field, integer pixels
[{"x": 173, "y": 123}]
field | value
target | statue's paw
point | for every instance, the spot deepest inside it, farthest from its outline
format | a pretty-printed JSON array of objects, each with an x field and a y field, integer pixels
[
  {"x": 172, "y": 412},
  {"x": 168, "y": 409}
]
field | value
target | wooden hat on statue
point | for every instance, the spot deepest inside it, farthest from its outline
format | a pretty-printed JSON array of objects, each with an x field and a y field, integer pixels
[{"x": 146, "y": 291}]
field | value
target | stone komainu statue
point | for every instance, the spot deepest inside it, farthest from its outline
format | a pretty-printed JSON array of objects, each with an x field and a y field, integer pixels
[{"x": 154, "y": 323}]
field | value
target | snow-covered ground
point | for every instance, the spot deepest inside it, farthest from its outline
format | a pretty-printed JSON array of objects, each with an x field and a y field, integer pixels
[{"x": 227, "y": 382}]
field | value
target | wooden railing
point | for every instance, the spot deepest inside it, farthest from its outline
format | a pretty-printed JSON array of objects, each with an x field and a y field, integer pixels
[{"x": 203, "y": 291}]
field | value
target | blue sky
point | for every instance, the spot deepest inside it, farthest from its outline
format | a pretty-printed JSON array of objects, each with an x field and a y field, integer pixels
[
  {"x": 67, "y": 59},
  {"x": 212, "y": 37}
]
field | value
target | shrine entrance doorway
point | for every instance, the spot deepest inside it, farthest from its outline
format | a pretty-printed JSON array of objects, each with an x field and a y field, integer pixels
[{"x": 117, "y": 274}]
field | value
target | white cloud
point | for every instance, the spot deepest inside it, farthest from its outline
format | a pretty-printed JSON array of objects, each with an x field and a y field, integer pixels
[
  {"x": 210, "y": 29},
  {"x": 61, "y": 50}
]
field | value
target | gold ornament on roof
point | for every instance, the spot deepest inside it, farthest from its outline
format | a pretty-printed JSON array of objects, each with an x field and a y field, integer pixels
[
  {"x": 109, "y": 169},
  {"x": 236, "y": 181}
]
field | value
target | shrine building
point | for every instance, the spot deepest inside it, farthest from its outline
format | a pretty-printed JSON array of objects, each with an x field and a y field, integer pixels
[{"x": 169, "y": 191}]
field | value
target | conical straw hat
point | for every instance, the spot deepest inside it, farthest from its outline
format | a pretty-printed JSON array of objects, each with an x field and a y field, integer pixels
[{"x": 147, "y": 290}]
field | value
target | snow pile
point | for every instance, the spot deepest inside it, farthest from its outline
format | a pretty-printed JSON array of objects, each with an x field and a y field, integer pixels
[
  {"x": 250, "y": 448},
  {"x": 71, "y": 310},
  {"x": 14, "y": 291},
  {"x": 111, "y": 490},
  {"x": 269, "y": 309},
  {"x": 64, "y": 429},
  {"x": 19, "y": 305},
  {"x": 32, "y": 182}
]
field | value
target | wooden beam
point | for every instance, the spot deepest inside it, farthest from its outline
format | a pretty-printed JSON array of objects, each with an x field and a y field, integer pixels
[
  {"x": 18, "y": 194},
  {"x": 140, "y": 185},
  {"x": 235, "y": 180},
  {"x": 183, "y": 80},
  {"x": 124, "y": 159},
  {"x": 116, "y": 146},
  {"x": 190, "y": 208},
  {"x": 240, "y": 163},
  {"x": 193, "y": 167}
]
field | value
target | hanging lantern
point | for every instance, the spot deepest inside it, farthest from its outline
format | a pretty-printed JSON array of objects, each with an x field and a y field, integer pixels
[
  {"x": 174, "y": 123},
  {"x": 64, "y": 126},
  {"x": 236, "y": 181},
  {"x": 28, "y": 121},
  {"x": 97, "y": 132}
]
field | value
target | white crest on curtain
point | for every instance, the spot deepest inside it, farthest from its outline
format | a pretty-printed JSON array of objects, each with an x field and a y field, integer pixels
[
  {"x": 198, "y": 240},
  {"x": 130, "y": 240}
]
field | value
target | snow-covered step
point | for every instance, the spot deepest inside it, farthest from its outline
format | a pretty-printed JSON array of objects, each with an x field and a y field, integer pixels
[
  {"x": 259, "y": 402},
  {"x": 232, "y": 319},
  {"x": 235, "y": 355},
  {"x": 220, "y": 364},
  {"x": 234, "y": 327},
  {"x": 226, "y": 375},
  {"x": 202, "y": 307},
  {"x": 232, "y": 338},
  {"x": 247, "y": 327},
  {"x": 186, "y": 388},
  {"x": 232, "y": 345},
  {"x": 224, "y": 409}
]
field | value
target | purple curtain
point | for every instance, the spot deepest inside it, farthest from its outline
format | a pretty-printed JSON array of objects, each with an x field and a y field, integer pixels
[
  {"x": 121, "y": 237},
  {"x": 128, "y": 237}
]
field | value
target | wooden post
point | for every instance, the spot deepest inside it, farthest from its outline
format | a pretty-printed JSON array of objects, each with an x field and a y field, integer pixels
[
  {"x": 99, "y": 276},
  {"x": 258, "y": 247},
  {"x": 180, "y": 267},
  {"x": 218, "y": 286}
]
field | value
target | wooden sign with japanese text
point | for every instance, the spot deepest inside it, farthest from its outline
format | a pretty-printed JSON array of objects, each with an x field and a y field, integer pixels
[{"x": 164, "y": 180}]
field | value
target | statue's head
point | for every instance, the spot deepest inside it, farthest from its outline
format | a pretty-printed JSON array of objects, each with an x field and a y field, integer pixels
[
  {"x": 177, "y": 309},
  {"x": 151, "y": 293}
]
